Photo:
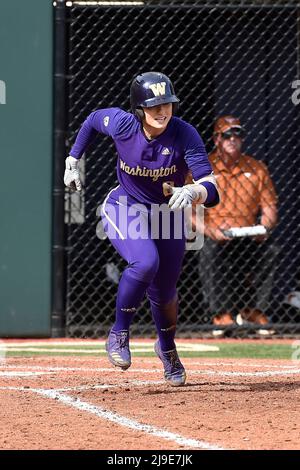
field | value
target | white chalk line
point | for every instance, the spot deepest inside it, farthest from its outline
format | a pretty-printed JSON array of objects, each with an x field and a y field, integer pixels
[
  {"x": 124, "y": 421},
  {"x": 95, "y": 343},
  {"x": 100, "y": 349},
  {"x": 96, "y": 352},
  {"x": 24, "y": 374},
  {"x": 61, "y": 350},
  {"x": 82, "y": 369},
  {"x": 271, "y": 373},
  {"x": 121, "y": 420},
  {"x": 56, "y": 343}
]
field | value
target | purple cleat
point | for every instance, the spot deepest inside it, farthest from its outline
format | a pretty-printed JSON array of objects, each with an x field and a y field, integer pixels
[
  {"x": 117, "y": 347},
  {"x": 174, "y": 370}
]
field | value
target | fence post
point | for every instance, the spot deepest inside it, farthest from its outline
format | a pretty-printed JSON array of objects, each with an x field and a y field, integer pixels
[{"x": 60, "y": 113}]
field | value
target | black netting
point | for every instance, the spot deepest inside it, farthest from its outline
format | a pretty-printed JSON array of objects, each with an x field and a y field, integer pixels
[{"x": 232, "y": 57}]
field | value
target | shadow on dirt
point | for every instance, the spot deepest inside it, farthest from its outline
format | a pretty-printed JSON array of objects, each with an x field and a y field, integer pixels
[{"x": 227, "y": 387}]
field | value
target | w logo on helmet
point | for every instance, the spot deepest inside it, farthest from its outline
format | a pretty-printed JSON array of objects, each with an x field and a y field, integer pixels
[
  {"x": 151, "y": 89},
  {"x": 159, "y": 89}
]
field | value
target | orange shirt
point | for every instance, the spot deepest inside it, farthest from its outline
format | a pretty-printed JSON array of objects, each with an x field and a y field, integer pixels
[{"x": 244, "y": 190}]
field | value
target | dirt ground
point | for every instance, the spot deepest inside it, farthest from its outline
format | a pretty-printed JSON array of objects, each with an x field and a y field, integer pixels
[{"x": 85, "y": 403}]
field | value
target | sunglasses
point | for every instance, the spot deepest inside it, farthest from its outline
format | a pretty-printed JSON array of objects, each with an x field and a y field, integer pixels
[{"x": 236, "y": 131}]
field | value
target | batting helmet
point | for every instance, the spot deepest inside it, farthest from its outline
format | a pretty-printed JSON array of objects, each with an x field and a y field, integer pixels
[{"x": 151, "y": 89}]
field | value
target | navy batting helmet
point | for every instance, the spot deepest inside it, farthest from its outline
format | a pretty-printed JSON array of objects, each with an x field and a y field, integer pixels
[{"x": 151, "y": 89}]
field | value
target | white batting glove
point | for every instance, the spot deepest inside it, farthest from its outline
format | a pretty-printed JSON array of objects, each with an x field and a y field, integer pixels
[
  {"x": 71, "y": 176},
  {"x": 184, "y": 196}
]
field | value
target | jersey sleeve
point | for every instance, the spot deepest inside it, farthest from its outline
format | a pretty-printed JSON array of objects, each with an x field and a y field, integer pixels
[
  {"x": 109, "y": 121},
  {"x": 195, "y": 154},
  {"x": 200, "y": 169}
]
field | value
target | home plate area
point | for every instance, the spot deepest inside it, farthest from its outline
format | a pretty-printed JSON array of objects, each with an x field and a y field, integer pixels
[{"x": 82, "y": 402}]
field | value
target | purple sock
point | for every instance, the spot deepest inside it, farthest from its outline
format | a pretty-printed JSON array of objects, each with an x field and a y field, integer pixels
[
  {"x": 165, "y": 318},
  {"x": 130, "y": 294}
]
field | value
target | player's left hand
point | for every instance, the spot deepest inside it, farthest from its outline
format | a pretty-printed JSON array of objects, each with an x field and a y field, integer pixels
[{"x": 182, "y": 197}]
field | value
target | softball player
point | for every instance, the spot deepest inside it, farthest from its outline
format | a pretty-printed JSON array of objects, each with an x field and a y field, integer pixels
[{"x": 154, "y": 148}]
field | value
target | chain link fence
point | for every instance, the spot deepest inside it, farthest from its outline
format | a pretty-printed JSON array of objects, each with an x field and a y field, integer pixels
[{"x": 226, "y": 57}]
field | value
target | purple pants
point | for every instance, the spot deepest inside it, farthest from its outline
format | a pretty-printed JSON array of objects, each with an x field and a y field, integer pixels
[{"x": 153, "y": 243}]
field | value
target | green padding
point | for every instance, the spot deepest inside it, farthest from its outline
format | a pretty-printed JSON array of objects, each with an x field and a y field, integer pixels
[{"x": 25, "y": 154}]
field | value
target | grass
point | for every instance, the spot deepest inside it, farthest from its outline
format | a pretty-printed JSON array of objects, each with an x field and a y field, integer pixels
[
  {"x": 229, "y": 350},
  {"x": 251, "y": 351}
]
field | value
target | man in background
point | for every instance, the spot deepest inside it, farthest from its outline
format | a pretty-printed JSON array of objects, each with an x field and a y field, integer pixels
[{"x": 237, "y": 272}]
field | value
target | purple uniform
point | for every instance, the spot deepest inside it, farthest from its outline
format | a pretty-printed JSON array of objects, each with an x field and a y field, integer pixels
[{"x": 144, "y": 165}]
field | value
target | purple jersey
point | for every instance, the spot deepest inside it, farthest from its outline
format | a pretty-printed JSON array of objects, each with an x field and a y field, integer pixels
[{"x": 144, "y": 165}]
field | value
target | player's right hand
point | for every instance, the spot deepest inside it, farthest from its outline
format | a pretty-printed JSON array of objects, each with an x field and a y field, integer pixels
[{"x": 71, "y": 176}]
